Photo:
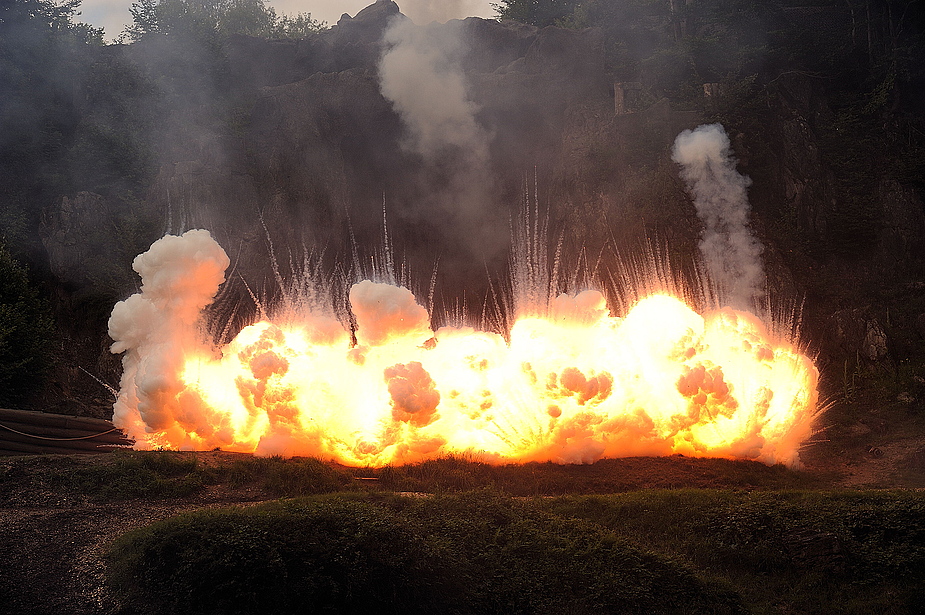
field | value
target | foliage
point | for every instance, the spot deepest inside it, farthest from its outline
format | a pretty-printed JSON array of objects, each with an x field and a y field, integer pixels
[
  {"x": 474, "y": 553},
  {"x": 287, "y": 477},
  {"x": 137, "y": 475},
  {"x": 482, "y": 552},
  {"x": 26, "y": 334},
  {"x": 41, "y": 54},
  {"x": 168, "y": 475},
  {"x": 455, "y": 474},
  {"x": 537, "y": 12},
  {"x": 206, "y": 19},
  {"x": 809, "y": 552}
]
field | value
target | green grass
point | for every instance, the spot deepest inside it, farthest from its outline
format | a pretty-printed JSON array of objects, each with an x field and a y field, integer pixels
[
  {"x": 650, "y": 551},
  {"x": 457, "y": 473},
  {"x": 786, "y": 551},
  {"x": 653, "y": 535},
  {"x": 127, "y": 475},
  {"x": 480, "y": 552},
  {"x": 171, "y": 475},
  {"x": 134, "y": 475}
]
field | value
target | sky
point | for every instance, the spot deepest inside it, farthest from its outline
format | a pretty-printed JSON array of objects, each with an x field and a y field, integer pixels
[{"x": 113, "y": 15}]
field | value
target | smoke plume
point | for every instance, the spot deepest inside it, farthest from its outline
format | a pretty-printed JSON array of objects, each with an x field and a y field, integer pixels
[
  {"x": 731, "y": 254},
  {"x": 157, "y": 327},
  {"x": 421, "y": 75}
]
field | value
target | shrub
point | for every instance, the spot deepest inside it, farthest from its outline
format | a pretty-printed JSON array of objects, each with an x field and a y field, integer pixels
[
  {"x": 25, "y": 334},
  {"x": 141, "y": 474},
  {"x": 472, "y": 553}
]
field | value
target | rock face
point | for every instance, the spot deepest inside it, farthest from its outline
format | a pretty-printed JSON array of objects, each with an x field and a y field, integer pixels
[
  {"x": 860, "y": 334},
  {"x": 798, "y": 169},
  {"x": 296, "y": 145},
  {"x": 68, "y": 234},
  {"x": 320, "y": 148}
]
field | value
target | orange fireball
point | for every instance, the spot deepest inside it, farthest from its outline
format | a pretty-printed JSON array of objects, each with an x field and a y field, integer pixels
[{"x": 571, "y": 383}]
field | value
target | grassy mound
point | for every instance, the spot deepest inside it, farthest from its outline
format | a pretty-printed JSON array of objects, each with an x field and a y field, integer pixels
[
  {"x": 469, "y": 553},
  {"x": 786, "y": 551},
  {"x": 224, "y": 476},
  {"x": 168, "y": 475}
]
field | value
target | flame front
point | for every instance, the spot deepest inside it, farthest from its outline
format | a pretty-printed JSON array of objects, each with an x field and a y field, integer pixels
[{"x": 573, "y": 386}]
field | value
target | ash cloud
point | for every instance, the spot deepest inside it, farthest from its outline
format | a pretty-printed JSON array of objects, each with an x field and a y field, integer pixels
[
  {"x": 421, "y": 75},
  {"x": 731, "y": 253}
]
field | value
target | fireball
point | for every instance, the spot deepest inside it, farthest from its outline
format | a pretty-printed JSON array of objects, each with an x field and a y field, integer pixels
[{"x": 569, "y": 382}]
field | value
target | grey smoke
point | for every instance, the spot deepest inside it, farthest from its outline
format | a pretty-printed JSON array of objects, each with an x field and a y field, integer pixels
[
  {"x": 421, "y": 75},
  {"x": 731, "y": 253}
]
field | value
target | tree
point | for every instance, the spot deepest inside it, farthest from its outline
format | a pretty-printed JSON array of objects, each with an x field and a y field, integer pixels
[
  {"x": 540, "y": 13},
  {"x": 205, "y": 19},
  {"x": 25, "y": 333},
  {"x": 42, "y": 55}
]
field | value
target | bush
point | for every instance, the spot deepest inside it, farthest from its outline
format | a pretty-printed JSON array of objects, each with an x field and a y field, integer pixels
[
  {"x": 329, "y": 555},
  {"x": 170, "y": 474},
  {"x": 25, "y": 334},
  {"x": 473, "y": 553},
  {"x": 141, "y": 475},
  {"x": 845, "y": 552}
]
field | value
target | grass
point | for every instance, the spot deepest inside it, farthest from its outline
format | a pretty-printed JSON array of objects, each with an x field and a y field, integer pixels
[
  {"x": 629, "y": 535},
  {"x": 786, "y": 551},
  {"x": 480, "y": 552},
  {"x": 651, "y": 551},
  {"x": 127, "y": 475},
  {"x": 169, "y": 475},
  {"x": 456, "y": 473}
]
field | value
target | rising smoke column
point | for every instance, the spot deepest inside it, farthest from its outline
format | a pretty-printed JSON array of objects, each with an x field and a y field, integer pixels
[
  {"x": 731, "y": 254},
  {"x": 421, "y": 75},
  {"x": 157, "y": 329}
]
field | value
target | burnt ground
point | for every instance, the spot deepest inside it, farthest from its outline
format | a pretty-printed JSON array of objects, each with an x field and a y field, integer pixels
[{"x": 53, "y": 535}]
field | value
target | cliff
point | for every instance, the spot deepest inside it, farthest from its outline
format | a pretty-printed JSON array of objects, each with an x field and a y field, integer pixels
[{"x": 294, "y": 143}]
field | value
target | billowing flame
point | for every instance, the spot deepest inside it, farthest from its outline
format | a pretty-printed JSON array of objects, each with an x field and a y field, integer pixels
[{"x": 573, "y": 385}]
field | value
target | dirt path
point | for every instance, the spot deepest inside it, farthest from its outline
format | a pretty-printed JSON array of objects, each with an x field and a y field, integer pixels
[{"x": 52, "y": 558}]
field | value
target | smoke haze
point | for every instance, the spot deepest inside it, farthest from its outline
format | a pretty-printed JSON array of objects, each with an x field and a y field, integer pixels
[
  {"x": 426, "y": 11},
  {"x": 421, "y": 76},
  {"x": 731, "y": 254}
]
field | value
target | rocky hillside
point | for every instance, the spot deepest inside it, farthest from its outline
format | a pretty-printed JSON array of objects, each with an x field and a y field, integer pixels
[{"x": 300, "y": 144}]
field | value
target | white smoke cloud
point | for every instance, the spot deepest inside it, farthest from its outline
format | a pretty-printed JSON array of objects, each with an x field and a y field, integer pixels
[
  {"x": 384, "y": 312},
  {"x": 420, "y": 74},
  {"x": 732, "y": 255},
  {"x": 156, "y": 327}
]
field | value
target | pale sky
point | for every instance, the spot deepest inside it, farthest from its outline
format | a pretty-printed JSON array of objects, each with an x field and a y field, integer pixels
[{"x": 113, "y": 15}]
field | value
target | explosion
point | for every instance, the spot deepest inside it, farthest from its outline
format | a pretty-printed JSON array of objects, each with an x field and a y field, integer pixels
[
  {"x": 568, "y": 381},
  {"x": 571, "y": 383}
]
